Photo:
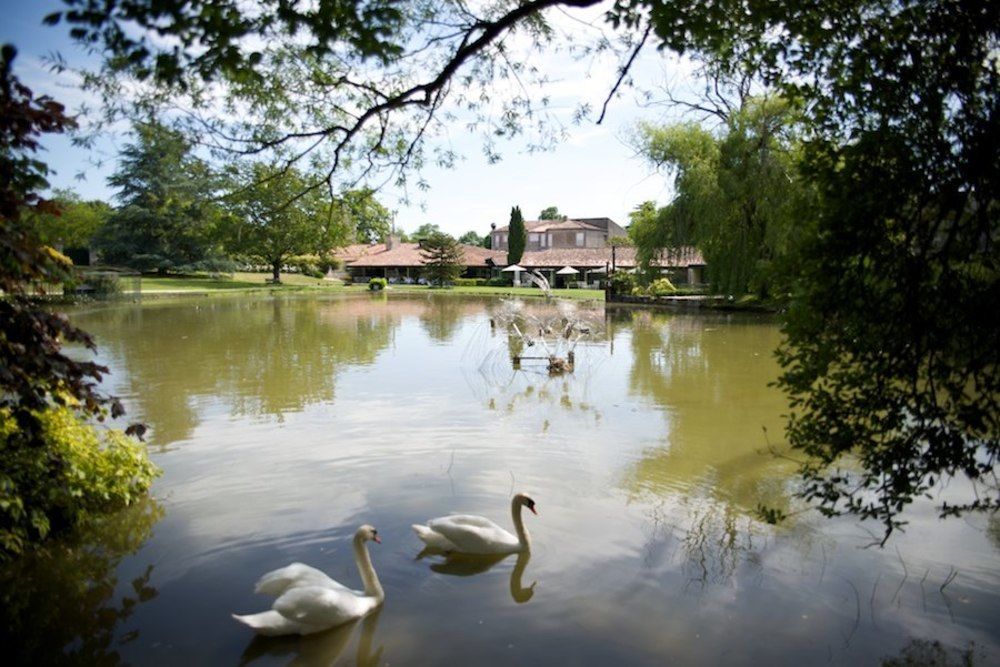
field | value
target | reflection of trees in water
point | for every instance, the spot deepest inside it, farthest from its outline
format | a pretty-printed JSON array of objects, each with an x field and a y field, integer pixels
[
  {"x": 710, "y": 378},
  {"x": 709, "y": 544},
  {"x": 265, "y": 357},
  {"x": 711, "y": 381},
  {"x": 443, "y": 315},
  {"x": 993, "y": 530},
  {"x": 923, "y": 653},
  {"x": 59, "y": 603},
  {"x": 321, "y": 649}
]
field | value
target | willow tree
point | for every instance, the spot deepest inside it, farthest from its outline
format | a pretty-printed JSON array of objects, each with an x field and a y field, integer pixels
[{"x": 738, "y": 194}]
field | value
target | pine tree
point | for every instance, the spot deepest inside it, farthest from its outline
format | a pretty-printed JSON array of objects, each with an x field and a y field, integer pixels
[{"x": 443, "y": 258}]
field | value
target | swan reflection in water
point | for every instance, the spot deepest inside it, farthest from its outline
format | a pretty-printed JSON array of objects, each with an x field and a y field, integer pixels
[
  {"x": 320, "y": 649},
  {"x": 466, "y": 565}
]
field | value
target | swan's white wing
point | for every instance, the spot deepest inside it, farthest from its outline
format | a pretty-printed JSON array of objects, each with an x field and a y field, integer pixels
[
  {"x": 470, "y": 520},
  {"x": 321, "y": 607},
  {"x": 474, "y": 534},
  {"x": 278, "y": 581}
]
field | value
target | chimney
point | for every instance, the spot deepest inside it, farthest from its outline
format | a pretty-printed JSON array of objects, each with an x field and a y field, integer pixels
[{"x": 391, "y": 241}]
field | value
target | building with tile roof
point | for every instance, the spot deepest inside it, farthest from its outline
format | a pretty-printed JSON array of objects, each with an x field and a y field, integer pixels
[
  {"x": 581, "y": 244},
  {"x": 396, "y": 260}
]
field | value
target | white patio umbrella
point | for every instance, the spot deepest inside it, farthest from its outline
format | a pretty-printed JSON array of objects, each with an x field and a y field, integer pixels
[
  {"x": 516, "y": 270},
  {"x": 598, "y": 270},
  {"x": 566, "y": 271}
]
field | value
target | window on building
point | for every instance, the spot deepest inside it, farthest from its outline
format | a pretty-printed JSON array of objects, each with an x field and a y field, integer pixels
[{"x": 579, "y": 239}]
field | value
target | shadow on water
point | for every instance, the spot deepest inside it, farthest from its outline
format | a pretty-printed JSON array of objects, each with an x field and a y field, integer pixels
[
  {"x": 61, "y": 604},
  {"x": 468, "y": 565},
  {"x": 321, "y": 649}
]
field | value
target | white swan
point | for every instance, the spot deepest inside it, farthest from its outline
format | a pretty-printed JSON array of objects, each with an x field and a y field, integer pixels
[
  {"x": 471, "y": 534},
  {"x": 309, "y": 601}
]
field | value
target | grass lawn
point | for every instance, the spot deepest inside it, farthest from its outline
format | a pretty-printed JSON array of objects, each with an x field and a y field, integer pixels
[
  {"x": 504, "y": 291},
  {"x": 239, "y": 281},
  {"x": 296, "y": 282}
]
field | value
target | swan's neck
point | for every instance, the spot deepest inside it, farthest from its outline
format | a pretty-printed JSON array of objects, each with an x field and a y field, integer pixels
[
  {"x": 522, "y": 532},
  {"x": 373, "y": 587}
]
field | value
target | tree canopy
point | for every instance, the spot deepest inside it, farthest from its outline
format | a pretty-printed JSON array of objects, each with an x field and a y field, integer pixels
[
  {"x": 471, "y": 237},
  {"x": 271, "y": 220},
  {"x": 75, "y": 223},
  {"x": 739, "y": 194},
  {"x": 166, "y": 219},
  {"x": 370, "y": 220},
  {"x": 551, "y": 213}
]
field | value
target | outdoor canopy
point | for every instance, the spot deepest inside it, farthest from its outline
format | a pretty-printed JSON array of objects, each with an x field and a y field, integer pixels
[
  {"x": 513, "y": 267},
  {"x": 566, "y": 271}
]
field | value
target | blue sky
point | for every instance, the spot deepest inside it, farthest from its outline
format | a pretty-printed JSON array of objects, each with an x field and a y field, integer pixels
[{"x": 593, "y": 173}]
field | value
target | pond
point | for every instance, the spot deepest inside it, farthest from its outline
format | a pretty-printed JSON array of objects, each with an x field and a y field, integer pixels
[{"x": 282, "y": 424}]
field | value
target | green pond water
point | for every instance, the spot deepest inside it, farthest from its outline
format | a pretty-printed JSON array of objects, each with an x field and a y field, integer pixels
[{"x": 281, "y": 424}]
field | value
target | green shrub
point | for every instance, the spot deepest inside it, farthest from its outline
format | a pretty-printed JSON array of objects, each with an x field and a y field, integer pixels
[
  {"x": 377, "y": 284},
  {"x": 104, "y": 284},
  {"x": 81, "y": 471},
  {"x": 661, "y": 287},
  {"x": 307, "y": 265},
  {"x": 622, "y": 283},
  {"x": 327, "y": 262},
  {"x": 470, "y": 282},
  {"x": 500, "y": 281}
]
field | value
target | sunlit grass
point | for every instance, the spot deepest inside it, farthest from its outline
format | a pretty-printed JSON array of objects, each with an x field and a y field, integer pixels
[
  {"x": 295, "y": 281},
  {"x": 238, "y": 281}
]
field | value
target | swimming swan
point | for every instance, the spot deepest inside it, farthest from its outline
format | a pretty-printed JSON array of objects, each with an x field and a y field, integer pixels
[
  {"x": 471, "y": 534},
  {"x": 309, "y": 601}
]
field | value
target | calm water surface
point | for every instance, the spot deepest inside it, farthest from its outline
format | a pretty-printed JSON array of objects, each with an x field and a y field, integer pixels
[{"x": 281, "y": 424}]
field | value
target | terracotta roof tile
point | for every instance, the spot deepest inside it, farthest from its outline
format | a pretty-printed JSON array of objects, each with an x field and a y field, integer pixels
[
  {"x": 552, "y": 225},
  {"x": 409, "y": 254},
  {"x": 599, "y": 257}
]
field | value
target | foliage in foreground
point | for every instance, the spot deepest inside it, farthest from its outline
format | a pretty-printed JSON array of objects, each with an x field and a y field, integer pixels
[
  {"x": 54, "y": 468},
  {"x": 76, "y": 472}
]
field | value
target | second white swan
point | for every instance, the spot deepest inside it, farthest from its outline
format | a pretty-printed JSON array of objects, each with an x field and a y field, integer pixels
[{"x": 471, "y": 534}]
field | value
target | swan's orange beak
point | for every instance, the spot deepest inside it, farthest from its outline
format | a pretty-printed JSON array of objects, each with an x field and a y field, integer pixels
[{"x": 533, "y": 511}]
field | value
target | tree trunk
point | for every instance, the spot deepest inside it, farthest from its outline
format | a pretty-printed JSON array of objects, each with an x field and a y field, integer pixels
[{"x": 276, "y": 271}]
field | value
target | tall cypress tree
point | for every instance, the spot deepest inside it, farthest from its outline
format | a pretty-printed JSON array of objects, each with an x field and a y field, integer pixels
[{"x": 517, "y": 237}]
